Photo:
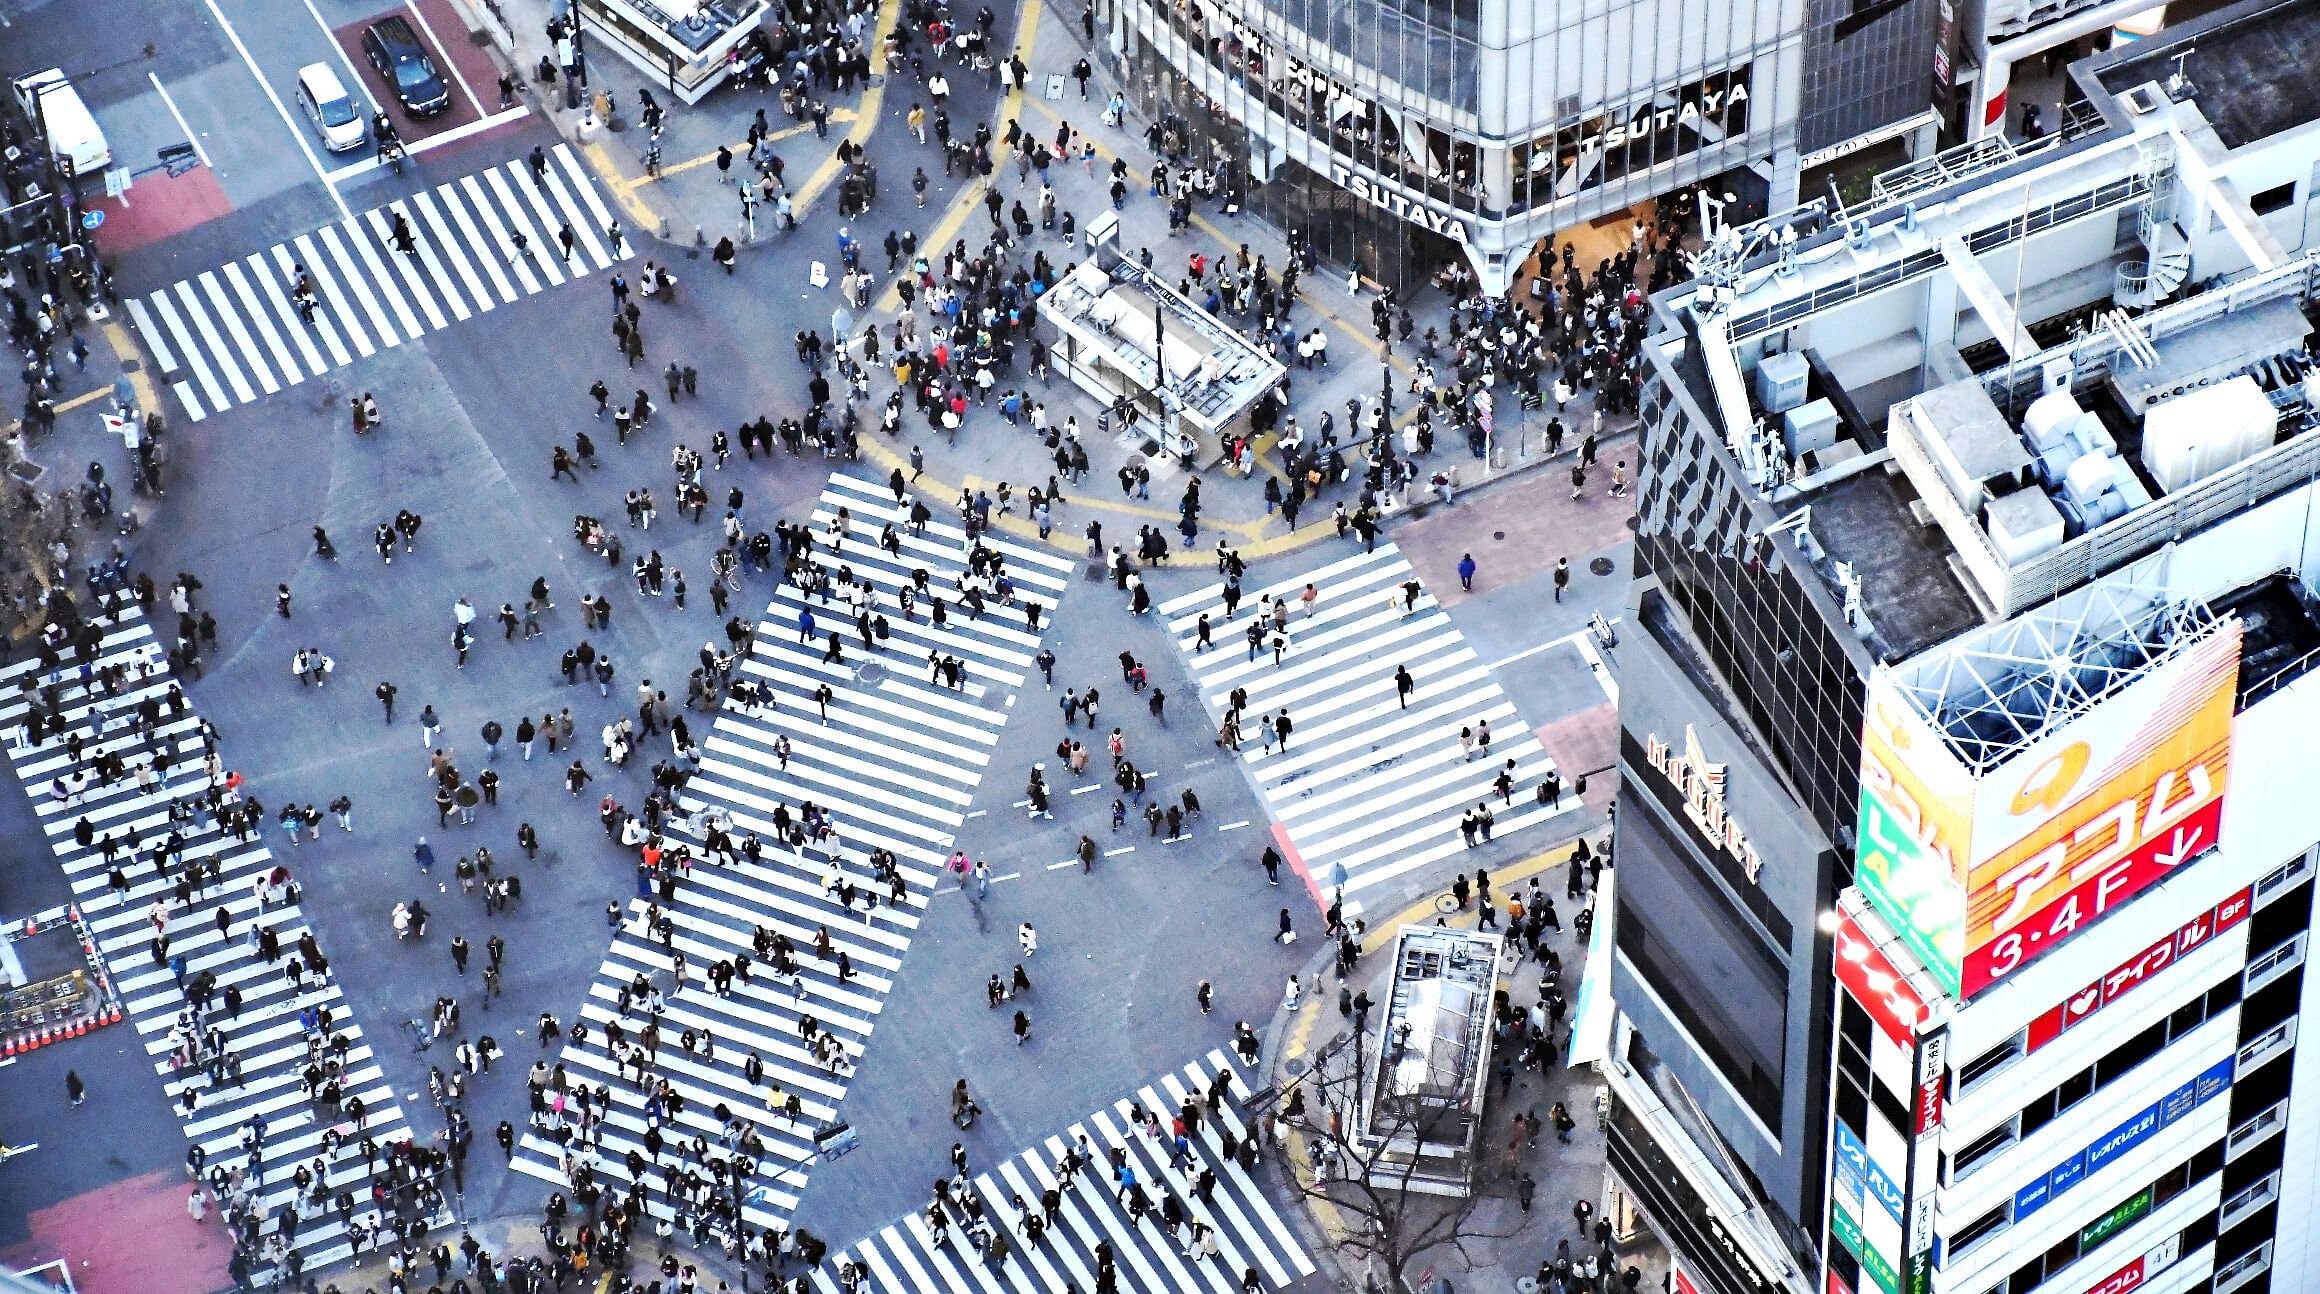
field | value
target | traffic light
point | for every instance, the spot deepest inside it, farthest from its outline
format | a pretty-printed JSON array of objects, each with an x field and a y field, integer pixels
[{"x": 179, "y": 158}]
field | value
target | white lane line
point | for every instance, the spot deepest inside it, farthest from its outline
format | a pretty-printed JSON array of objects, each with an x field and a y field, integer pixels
[
  {"x": 1548, "y": 645},
  {"x": 1234, "y": 826},
  {"x": 154, "y": 337},
  {"x": 1054, "y": 867},
  {"x": 285, "y": 311},
  {"x": 445, "y": 51},
  {"x": 541, "y": 236},
  {"x": 289, "y": 123},
  {"x": 1601, "y": 672},
  {"x": 171, "y": 104},
  {"x": 354, "y": 76},
  {"x": 284, "y": 265},
  {"x": 411, "y": 152},
  {"x": 1083, "y": 790},
  {"x": 1115, "y": 853}
]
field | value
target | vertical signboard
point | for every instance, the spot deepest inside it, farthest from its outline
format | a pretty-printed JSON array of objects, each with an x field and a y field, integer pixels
[
  {"x": 1980, "y": 874},
  {"x": 1916, "y": 800}
]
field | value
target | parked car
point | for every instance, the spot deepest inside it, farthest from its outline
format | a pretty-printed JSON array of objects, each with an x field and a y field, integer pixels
[
  {"x": 324, "y": 100},
  {"x": 49, "y": 100},
  {"x": 394, "y": 48}
]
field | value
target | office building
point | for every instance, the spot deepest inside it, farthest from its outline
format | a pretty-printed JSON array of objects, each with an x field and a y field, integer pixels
[
  {"x": 1407, "y": 138},
  {"x": 1965, "y": 859}
]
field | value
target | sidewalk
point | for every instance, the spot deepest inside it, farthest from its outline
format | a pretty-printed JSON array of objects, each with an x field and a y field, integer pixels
[{"x": 1503, "y": 1244}]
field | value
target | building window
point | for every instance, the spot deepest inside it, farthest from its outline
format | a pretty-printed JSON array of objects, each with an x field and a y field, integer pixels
[{"x": 2274, "y": 199}]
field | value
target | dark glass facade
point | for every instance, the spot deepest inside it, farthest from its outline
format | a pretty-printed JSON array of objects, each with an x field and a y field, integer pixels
[{"x": 1744, "y": 609}]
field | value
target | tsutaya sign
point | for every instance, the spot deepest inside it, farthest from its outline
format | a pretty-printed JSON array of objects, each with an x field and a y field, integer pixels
[
  {"x": 1702, "y": 785},
  {"x": 1410, "y": 209}
]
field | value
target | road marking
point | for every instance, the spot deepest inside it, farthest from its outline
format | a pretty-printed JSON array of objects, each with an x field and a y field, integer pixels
[
  {"x": 288, "y": 123},
  {"x": 171, "y": 104},
  {"x": 1059, "y": 866},
  {"x": 445, "y": 51},
  {"x": 1115, "y": 853},
  {"x": 353, "y": 73},
  {"x": 354, "y": 170},
  {"x": 1083, "y": 790},
  {"x": 1596, "y": 667},
  {"x": 1234, "y": 826},
  {"x": 1548, "y": 645}
]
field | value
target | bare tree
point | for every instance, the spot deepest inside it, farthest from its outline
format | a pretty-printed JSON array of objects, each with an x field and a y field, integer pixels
[{"x": 1389, "y": 1216}]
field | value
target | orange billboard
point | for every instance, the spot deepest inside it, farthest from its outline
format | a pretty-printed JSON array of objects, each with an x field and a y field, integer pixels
[
  {"x": 1980, "y": 874},
  {"x": 2100, "y": 809}
]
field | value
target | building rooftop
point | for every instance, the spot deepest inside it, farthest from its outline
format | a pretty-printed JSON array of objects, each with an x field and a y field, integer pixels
[
  {"x": 2250, "y": 70},
  {"x": 1119, "y": 312},
  {"x": 1911, "y": 596}
]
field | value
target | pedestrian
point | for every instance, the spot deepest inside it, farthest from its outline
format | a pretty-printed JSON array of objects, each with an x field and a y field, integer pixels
[
  {"x": 1466, "y": 569},
  {"x": 1562, "y": 576},
  {"x": 429, "y": 725},
  {"x": 1027, "y": 938},
  {"x": 74, "y": 1089},
  {"x": 282, "y": 600},
  {"x": 1287, "y": 934}
]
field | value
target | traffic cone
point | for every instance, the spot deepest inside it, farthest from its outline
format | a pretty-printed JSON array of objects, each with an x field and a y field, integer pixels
[
  {"x": 116, "y": 1013},
  {"x": 8, "y": 1048},
  {"x": 80, "y": 1025}
]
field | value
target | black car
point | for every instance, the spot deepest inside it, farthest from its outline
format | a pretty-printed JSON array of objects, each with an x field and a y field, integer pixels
[{"x": 394, "y": 49}]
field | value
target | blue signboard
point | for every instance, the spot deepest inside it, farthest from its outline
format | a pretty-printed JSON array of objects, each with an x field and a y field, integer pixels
[
  {"x": 1853, "y": 1156},
  {"x": 2128, "y": 1134}
]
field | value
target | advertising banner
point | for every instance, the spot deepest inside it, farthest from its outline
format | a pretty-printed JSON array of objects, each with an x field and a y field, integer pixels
[
  {"x": 1869, "y": 975},
  {"x": 2138, "y": 970},
  {"x": 1979, "y": 875}
]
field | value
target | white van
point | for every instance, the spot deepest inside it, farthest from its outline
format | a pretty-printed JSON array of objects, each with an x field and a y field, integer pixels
[
  {"x": 56, "y": 108},
  {"x": 324, "y": 100}
]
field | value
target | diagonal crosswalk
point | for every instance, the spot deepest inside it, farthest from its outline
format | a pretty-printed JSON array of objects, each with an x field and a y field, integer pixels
[
  {"x": 894, "y": 764},
  {"x": 1060, "y": 1249},
  {"x": 228, "y": 335},
  {"x": 119, "y": 702},
  {"x": 1367, "y": 784}
]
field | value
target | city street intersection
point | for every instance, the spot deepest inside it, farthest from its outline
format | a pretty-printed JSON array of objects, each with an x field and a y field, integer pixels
[{"x": 480, "y": 344}]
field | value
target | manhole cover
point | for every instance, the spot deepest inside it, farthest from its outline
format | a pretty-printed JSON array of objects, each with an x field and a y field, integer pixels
[
  {"x": 1634, "y": 522},
  {"x": 1498, "y": 534},
  {"x": 871, "y": 672},
  {"x": 1297, "y": 1066},
  {"x": 1601, "y": 566},
  {"x": 1444, "y": 904}
]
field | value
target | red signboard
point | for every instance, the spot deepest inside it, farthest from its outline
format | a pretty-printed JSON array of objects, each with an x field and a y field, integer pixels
[
  {"x": 1869, "y": 976},
  {"x": 2131, "y": 974},
  {"x": 2124, "y": 1279},
  {"x": 2092, "y": 894}
]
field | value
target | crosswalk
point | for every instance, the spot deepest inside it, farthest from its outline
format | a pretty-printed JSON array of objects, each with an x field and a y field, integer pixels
[
  {"x": 1251, "y": 1235},
  {"x": 266, "y": 1034},
  {"x": 229, "y": 335},
  {"x": 1368, "y": 784},
  {"x": 895, "y": 764}
]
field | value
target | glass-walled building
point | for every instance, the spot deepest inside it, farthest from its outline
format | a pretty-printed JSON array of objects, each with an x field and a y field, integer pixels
[{"x": 1409, "y": 136}]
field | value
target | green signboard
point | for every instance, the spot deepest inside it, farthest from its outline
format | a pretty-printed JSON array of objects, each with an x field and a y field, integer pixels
[
  {"x": 1911, "y": 889},
  {"x": 2115, "y": 1221},
  {"x": 1848, "y": 1234}
]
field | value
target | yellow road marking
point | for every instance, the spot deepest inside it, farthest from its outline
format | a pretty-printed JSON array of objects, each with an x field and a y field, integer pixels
[{"x": 739, "y": 149}]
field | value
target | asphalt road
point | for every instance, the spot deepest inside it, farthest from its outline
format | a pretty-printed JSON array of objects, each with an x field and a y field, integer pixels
[{"x": 473, "y": 409}]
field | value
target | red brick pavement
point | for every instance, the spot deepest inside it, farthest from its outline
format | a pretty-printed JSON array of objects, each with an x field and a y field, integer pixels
[
  {"x": 133, "y": 1237},
  {"x": 1538, "y": 518}
]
